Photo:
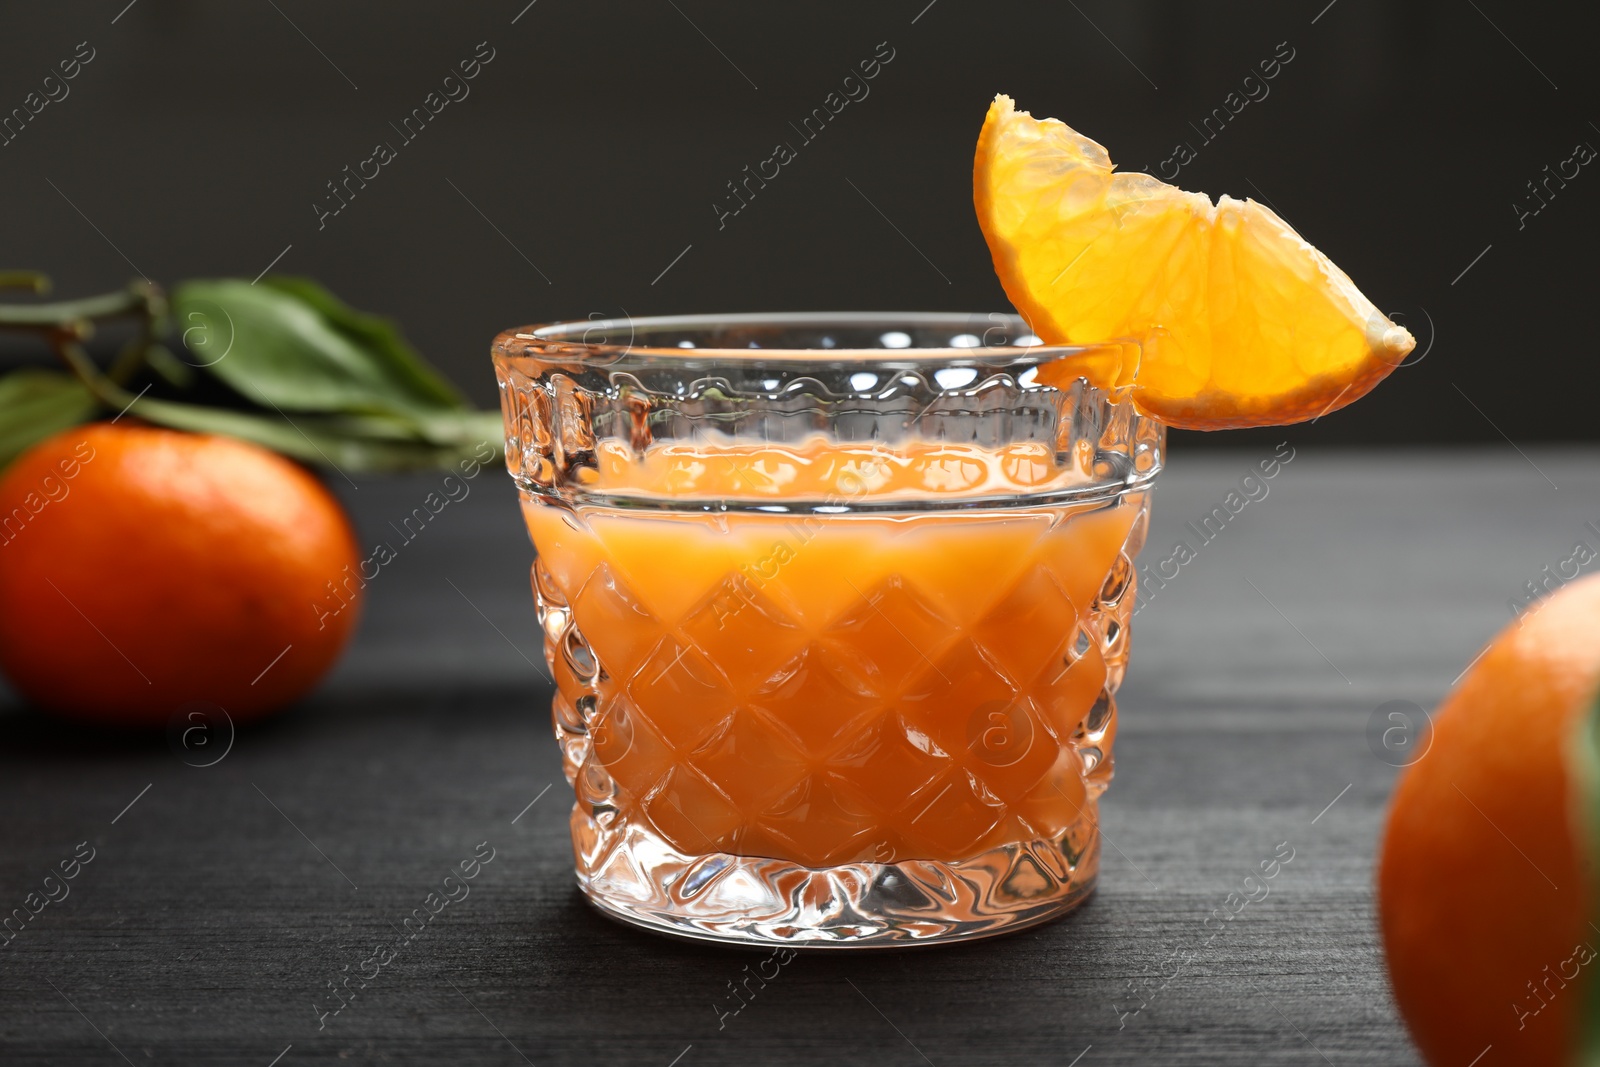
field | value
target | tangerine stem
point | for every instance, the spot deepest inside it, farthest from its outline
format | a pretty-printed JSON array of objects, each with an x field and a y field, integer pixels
[
  {"x": 65, "y": 312},
  {"x": 152, "y": 316},
  {"x": 103, "y": 389},
  {"x": 25, "y": 279}
]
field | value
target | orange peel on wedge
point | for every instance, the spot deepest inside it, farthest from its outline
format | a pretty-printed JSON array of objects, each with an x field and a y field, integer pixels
[{"x": 1239, "y": 321}]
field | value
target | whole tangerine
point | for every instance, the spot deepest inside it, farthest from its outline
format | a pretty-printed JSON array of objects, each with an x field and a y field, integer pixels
[
  {"x": 1486, "y": 887},
  {"x": 144, "y": 569}
]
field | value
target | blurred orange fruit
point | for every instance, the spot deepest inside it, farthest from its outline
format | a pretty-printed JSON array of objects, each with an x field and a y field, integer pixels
[
  {"x": 1486, "y": 889},
  {"x": 1240, "y": 321},
  {"x": 142, "y": 569}
]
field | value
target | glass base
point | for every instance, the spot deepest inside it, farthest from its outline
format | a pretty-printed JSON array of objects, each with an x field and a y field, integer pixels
[{"x": 632, "y": 874}]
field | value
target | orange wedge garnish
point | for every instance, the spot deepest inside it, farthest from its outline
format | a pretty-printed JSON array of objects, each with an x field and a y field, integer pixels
[{"x": 1240, "y": 322}]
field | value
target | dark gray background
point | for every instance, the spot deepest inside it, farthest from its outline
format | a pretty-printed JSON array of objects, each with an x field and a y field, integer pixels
[{"x": 596, "y": 141}]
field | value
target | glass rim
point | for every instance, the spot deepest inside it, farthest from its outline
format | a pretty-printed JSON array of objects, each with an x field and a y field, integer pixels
[{"x": 570, "y": 341}]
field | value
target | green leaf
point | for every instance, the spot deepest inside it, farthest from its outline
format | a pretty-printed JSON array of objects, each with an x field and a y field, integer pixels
[
  {"x": 465, "y": 428},
  {"x": 331, "y": 385},
  {"x": 37, "y": 403},
  {"x": 280, "y": 351},
  {"x": 346, "y": 444},
  {"x": 381, "y": 338},
  {"x": 452, "y": 429}
]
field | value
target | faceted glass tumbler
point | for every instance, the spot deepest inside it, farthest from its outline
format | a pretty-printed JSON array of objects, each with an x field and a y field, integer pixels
[{"x": 835, "y": 605}]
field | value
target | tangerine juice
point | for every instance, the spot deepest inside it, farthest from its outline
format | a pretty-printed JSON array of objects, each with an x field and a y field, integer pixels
[{"x": 836, "y": 685}]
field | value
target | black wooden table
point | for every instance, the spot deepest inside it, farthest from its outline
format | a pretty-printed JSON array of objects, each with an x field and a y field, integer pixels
[{"x": 223, "y": 902}]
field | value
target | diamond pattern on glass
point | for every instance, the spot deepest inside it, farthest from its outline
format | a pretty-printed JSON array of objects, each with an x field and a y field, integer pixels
[{"x": 887, "y": 732}]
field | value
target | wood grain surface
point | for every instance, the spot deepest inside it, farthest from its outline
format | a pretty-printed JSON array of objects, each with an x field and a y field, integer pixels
[{"x": 223, "y": 900}]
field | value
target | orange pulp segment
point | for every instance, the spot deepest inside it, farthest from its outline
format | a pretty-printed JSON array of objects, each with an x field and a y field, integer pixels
[{"x": 1241, "y": 322}]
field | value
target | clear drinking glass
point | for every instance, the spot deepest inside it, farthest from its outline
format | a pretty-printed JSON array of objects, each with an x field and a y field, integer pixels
[{"x": 835, "y": 605}]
